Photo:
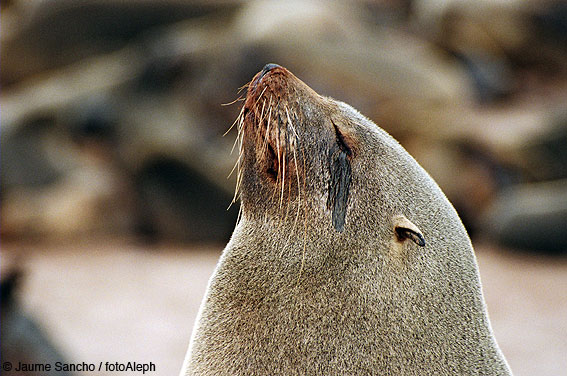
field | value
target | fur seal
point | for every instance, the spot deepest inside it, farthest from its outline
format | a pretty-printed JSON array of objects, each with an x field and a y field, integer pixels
[{"x": 347, "y": 260}]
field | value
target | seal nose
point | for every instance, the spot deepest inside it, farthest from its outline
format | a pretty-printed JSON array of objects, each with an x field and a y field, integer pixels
[{"x": 267, "y": 68}]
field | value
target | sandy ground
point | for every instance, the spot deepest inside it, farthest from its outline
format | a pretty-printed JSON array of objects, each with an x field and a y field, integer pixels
[{"x": 117, "y": 301}]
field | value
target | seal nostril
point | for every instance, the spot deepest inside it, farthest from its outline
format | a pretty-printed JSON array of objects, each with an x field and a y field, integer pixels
[{"x": 267, "y": 68}]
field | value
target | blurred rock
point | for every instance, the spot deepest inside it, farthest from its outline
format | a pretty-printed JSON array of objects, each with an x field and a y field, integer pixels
[
  {"x": 548, "y": 20},
  {"x": 23, "y": 340},
  {"x": 151, "y": 114},
  {"x": 531, "y": 217},
  {"x": 142, "y": 102},
  {"x": 177, "y": 203},
  {"x": 506, "y": 46},
  {"x": 55, "y": 33},
  {"x": 551, "y": 21},
  {"x": 333, "y": 46},
  {"x": 545, "y": 156},
  {"x": 24, "y": 161},
  {"x": 482, "y": 36},
  {"x": 83, "y": 202}
]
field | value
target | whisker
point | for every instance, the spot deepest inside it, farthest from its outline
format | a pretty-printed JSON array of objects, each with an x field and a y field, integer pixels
[
  {"x": 260, "y": 96},
  {"x": 265, "y": 145},
  {"x": 239, "y": 127},
  {"x": 283, "y": 177},
  {"x": 279, "y": 159},
  {"x": 234, "y": 168},
  {"x": 239, "y": 217},
  {"x": 304, "y": 228},
  {"x": 233, "y": 102},
  {"x": 245, "y": 86},
  {"x": 240, "y": 115},
  {"x": 299, "y": 203},
  {"x": 291, "y": 124},
  {"x": 260, "y": 120}
]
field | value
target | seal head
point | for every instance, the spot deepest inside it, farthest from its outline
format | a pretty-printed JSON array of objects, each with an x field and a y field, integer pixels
[{"x": 347, "y": 259}]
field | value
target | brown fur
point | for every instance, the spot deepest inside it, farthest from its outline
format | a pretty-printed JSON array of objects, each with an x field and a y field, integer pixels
[{"x": 347, "y": 259}]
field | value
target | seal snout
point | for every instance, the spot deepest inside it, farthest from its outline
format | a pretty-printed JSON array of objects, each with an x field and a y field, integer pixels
[{"x": 267, "y": 69}]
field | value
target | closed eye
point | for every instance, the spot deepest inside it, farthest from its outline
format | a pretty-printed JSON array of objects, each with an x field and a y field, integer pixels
[{"x": 343, "y": 145}]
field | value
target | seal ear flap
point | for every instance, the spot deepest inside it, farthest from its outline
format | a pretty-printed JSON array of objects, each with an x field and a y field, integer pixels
[{"x": 405, "y": 229}]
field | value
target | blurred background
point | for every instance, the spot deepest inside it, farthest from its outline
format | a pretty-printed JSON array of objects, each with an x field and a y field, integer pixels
[{"x": 114, "y": 188}]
